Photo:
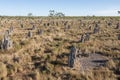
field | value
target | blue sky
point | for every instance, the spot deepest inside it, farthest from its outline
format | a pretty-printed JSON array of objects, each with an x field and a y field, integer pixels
[{"x": 69, "y": 7}]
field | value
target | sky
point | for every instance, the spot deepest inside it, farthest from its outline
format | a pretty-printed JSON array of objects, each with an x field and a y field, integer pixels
[{"x": 68, "y": 7}]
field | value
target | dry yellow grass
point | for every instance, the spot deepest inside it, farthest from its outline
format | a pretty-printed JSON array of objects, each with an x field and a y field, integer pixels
[{"x": 45, "y": 56}]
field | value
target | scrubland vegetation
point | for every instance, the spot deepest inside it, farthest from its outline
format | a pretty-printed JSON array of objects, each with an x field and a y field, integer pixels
[{"x": 38, "y": 48}]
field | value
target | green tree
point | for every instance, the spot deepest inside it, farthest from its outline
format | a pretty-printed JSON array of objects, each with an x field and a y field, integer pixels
[
  {"x": 51, "y": 13},
  {"x": 59, "y": 14},
  {"x": 118, "y": 12},
  {"x": 30, "y": 14}
]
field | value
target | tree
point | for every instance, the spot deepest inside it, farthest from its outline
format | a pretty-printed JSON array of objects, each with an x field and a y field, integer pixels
[
  {"x": 59, "y": 14},
  {"x": 51, "y": 13},
  {"x": 29, "y": 14},
  {"x": 118, "y": 12}
]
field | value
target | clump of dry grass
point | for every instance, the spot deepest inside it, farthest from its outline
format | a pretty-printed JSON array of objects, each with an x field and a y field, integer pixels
[{"x": 3, "y": 70}]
